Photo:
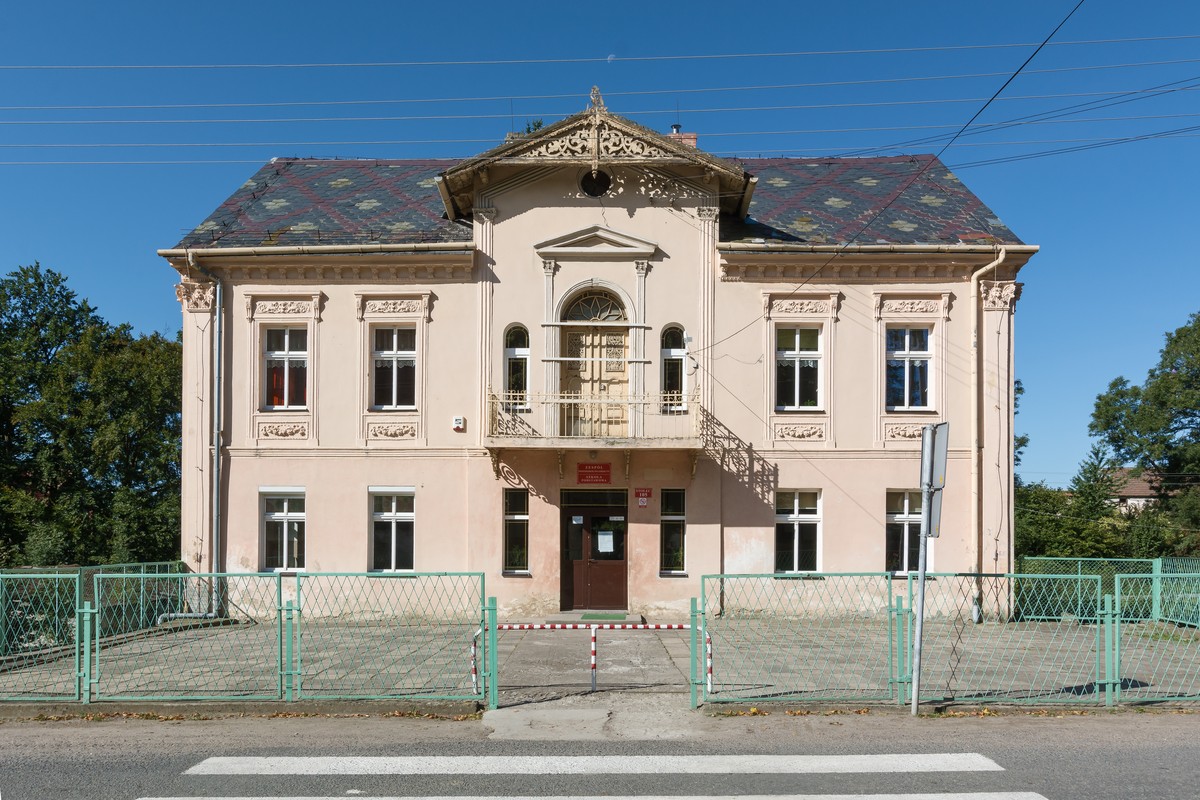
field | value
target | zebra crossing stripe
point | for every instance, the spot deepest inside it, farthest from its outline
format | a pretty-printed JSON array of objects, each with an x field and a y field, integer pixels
[
  {"x": 590, "y": 765},
  {"x": 924, "y": 796}
]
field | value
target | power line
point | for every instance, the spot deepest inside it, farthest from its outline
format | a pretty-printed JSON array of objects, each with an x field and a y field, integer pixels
[
  {"x": 671, "y": 111},
  {"x": 612, "y": 58},
  {"x": 924, "y": 168},
  {"x": 576, "y": 95}
]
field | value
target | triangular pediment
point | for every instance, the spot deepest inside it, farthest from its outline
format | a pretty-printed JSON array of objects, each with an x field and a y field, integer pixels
[
  {"x": 596, "y": 242},
  {"x": 597, "y": 139}
]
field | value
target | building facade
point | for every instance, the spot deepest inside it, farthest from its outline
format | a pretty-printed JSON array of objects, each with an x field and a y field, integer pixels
[{"x": 595, "y": 363}]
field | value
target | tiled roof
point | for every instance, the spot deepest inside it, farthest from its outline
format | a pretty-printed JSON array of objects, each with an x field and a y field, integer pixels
[
  {"x": 332, "y": 202},
  {"x": 815, "y": 201},
  {"x": 829, "y": 201}
]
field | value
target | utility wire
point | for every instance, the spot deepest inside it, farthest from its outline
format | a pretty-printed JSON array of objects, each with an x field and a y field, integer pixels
[
  {"x": 612, "y": 58},
  {"x": 576, "y": 95},
  {"x": 924, "y": 168},
  {"x": 671, "y": 111}
]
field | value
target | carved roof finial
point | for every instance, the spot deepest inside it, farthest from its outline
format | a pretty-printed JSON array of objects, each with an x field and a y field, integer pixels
[{"x": 597, "y": 100}]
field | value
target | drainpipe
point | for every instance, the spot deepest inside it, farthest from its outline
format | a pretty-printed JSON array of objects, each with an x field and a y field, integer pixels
[
  {"x": 217, "y": 357},
  {"x": 976, "y": 399}
]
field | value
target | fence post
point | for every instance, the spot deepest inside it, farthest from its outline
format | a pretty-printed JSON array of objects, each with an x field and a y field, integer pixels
[
  {"x": 898, "y": 647},
  {"x": 1111, "y": 679},
  {"x": 289, "y": 674},
  {"x": 4, "y": 618},
  {"x": 1156, "y": 590},
  {"x": 491, "y": 661},
  {"x": 695, "y": 618},
  {"x": 83, "y": 678}
]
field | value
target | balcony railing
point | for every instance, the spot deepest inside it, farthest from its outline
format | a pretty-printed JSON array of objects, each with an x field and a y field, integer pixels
[{"x": 531, "y": 418}]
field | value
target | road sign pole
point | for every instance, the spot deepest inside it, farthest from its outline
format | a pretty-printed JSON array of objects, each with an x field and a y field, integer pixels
[{"x": 933, "y": 479}]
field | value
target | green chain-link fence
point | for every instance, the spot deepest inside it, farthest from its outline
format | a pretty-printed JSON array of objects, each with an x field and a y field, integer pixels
[
  {"x": 39, "y": 642},
  {"x": 1035, "y": 638}
]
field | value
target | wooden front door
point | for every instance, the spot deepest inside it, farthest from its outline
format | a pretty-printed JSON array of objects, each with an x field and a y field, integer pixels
[
  {"x": 594, "y": 574},
  {"x": 595, "y": 382}
]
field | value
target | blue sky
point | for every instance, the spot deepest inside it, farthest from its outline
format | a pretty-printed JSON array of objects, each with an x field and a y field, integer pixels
[{"x": 788, "y": 78}]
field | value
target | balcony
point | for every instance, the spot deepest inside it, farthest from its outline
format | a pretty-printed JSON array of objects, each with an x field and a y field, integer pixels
[{"x": 651, "y": 421}]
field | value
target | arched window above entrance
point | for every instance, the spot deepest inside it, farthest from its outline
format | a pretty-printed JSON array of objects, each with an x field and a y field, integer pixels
[{"x": 595, "y": 306}]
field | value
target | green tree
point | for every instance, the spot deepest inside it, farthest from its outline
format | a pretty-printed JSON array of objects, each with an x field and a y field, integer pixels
[
  {"x": 89, "y": 426},
  {"x": 1156, "y": 426}
]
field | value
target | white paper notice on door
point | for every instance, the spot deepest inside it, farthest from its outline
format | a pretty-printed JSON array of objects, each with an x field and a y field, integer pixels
[{"x": 604, "y": 541}]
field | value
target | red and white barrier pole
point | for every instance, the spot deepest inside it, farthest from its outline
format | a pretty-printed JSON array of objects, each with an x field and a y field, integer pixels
[
  {"x": 708, "y": 659},
  {"x": 593, "y": 658}
]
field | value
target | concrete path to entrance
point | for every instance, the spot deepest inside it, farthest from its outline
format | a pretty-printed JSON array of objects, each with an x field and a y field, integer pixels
[
  {"x": 541, "y": 665},
  {"x": 546, "y": 684}
]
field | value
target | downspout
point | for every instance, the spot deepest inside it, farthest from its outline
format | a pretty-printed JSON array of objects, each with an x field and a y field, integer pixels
[
  {"x": 976, "y": 417},
  {"x": 217, "y": 357}
]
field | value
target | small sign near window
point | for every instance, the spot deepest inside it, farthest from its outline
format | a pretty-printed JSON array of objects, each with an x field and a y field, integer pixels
[
  {"x": 604, "y": 541},
  {"x": 593, "y": 473},
  {"x": 643, "y": 496}
]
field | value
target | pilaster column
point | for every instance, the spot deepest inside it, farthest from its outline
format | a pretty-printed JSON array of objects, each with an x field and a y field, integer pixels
[{"x": 998, "y": 299}]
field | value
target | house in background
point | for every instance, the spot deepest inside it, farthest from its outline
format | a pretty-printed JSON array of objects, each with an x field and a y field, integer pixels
[{"x": 595, "y": 363}]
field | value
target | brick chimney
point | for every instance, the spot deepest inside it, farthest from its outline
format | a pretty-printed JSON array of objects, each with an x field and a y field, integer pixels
[{"x": 684, "y": 138}]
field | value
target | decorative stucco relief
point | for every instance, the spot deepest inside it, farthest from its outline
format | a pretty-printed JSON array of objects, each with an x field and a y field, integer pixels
[
  {"x": 293, "y": 306},
  {"x": 902, "y": 431},
  {"x": 283, "y": 430},
  {"x": 903, "y": 306},
  {"x": 842, "y": 272},
  {"x": 708, "y": 213},
  {"x": 1000, "y": 295},
  {"x": 810, "y": 305},
  {"x": 391, "y": 431},
  {"x": 282, "y": 307},
  {"x": 393, "y": 306},
  {"x": 810, "y": 433},
  {"x": 195, "y": 296}
]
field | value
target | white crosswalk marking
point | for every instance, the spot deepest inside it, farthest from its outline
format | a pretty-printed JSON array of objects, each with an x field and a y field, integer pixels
[
  {"x": 933, "y": 796},
  {"x": 590, "y": 765},
  {"x": 476, "y": 766}
]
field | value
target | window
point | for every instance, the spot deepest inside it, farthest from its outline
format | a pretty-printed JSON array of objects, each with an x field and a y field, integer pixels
[
  {"x": 672, "y": 526},
  {"x": 392, "y": 532},
  {"x": 674, "y": 385},
  {"x": 516, "y": 530},
  {"x": 797, "y": 531},
  {"x": 395, "y": 379},
  {"x": 903, "y": 532},
  {"x": 797, "y": 369},
  {"x": 286, "y": 359},
  {"x": 516, "y": 369},
  {"x": 907, "y": 375},
  {"x": 283, "y": 528}
]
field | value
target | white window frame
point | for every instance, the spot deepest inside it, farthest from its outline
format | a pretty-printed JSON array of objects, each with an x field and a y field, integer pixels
[
  {"x": 396, "y": 356},
  {"x": 796, "y": 357},
  {"x": 287, "y": 356},
  {"x": 392, "y": 516},
  {"x": 911, "y": 521},
  {"x": 796, "y": 517},
  {"x": 674, "y": 518},
  {"x": 285, "y": 517},
  {"x": 908, "y": 356},
  {"x": 515, "y": 354},
  {"x": 674, "y": 354},
  {"x": 519, "y": 518}
]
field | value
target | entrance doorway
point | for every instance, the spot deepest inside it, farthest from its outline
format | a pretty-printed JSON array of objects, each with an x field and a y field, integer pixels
[{"x": 594, "y": 567}]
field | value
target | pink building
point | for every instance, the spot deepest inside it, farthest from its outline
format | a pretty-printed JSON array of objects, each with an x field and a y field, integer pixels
[{"x": 595, "y": 363}]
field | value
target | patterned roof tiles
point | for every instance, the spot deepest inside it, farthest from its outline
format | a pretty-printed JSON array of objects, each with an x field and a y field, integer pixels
[
  {"x": 864, "y": 201},
  {"x": 332, "y": 202},
  {"x": 812, "y": 201}
]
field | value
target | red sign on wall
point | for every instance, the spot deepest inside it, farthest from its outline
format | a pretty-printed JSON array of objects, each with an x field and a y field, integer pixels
[
  {"x": 593, "y": 473},
  {"x": 647, "y": 493}
]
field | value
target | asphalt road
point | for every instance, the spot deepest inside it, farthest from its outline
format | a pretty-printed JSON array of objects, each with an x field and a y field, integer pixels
[{"x": 1059, "y": 755}]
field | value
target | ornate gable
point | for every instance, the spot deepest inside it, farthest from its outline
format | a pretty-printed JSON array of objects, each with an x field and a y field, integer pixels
[{"x": 596, "y": 139}]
